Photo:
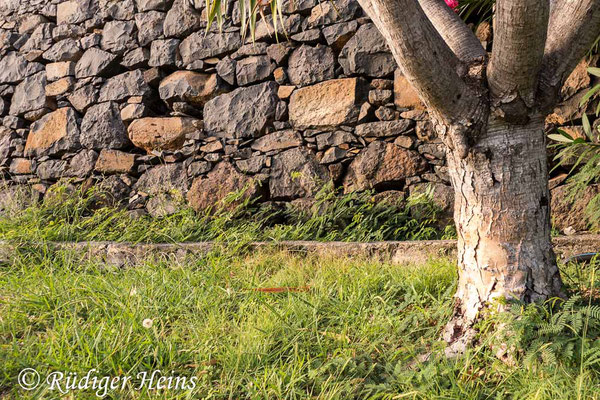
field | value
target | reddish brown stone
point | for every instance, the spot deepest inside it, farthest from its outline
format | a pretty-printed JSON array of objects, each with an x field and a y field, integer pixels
[
  {"x": 382, "y": 165},
  {"x": 161, "y": 133},
  {"x": 192, "y": 87},
  {"x": 115, "y": 162},
  {"x": 211, "y": 191},
  {"x": 404, "y": 94},
  {"x": 55, "y": 133},
  {"x": 326, "y": 104},
  {"x": 20, "y": 166}
]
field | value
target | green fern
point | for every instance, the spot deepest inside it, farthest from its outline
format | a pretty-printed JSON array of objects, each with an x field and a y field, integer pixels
[{"x": 558, "y": 332}]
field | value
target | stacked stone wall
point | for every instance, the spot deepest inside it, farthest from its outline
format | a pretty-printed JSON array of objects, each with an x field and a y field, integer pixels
[{"x": 137, "y": 95}]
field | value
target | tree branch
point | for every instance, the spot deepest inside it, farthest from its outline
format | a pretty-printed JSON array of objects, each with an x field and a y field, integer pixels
[
  {"x": 574, "y": 26},
  {"x": 428, "y": 64},
  {"x": 519, "y": 39},
  {"x": 461, "y": 40}
]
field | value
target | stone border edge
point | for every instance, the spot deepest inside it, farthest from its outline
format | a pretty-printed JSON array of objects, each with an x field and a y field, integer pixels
[{"x": 121, "y": 254}]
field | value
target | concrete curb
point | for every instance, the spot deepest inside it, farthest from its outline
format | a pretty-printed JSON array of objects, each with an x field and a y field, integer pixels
[{"x": 121, "y": 254}]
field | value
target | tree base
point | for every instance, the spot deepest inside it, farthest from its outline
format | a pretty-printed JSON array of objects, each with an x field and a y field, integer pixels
[{"x": 459, "y": 333}]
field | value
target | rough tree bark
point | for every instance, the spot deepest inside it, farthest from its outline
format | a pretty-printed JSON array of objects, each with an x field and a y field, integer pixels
[{"x": 491, "y": 117}]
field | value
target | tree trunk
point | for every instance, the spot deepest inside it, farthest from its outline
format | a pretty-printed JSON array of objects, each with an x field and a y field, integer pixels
[{"x": 502, "y": 216}]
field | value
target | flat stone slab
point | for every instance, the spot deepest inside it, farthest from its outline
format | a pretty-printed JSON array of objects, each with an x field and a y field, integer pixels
[{"x": 121, "y": 254}]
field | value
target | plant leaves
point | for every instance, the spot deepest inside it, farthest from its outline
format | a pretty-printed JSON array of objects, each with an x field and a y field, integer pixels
[
  {"x": 562, "y": 137},
  {"x": 594, "y": 71},
  {"x": 587, "y": 127},
  {"x": 586, "y": 97}
]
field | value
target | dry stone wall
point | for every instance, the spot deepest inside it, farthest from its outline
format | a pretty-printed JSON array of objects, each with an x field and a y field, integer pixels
[{"x": 136, "y": 95}]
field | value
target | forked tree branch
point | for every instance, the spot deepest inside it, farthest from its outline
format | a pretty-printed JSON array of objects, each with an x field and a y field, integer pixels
[
  {"x": 574, "y": 26},
  {"x": 425, "y": 59},
  {"x": 454, "y": 31},
  {"x": 520, "y": 30}
]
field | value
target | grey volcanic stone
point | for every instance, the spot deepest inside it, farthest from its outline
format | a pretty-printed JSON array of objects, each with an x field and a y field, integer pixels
[
  {"x": 136, "y": 58},
  {"x": 264, "y": 28},
  {"x": 338, "y": 35},
  {"x": 30, "y": 22},
  {"x": 182, "y": 19},
  {"x": 147, "y": 5},
  {"x": 164, "y": 53},
  {"x": 226, "y": 69},
  {"x": 296, "y": 173},
  {"x": 252, "y": 165},
  {"x": 198, "y": 168},
  {"x": 30, "y": 95},
  {"x": 82, "y": 164},
  {"x": 90, "y": 40},
  {"x": 119, "y": 36},
  {"x": 385, "y": 128},
  {"x": 162, "y": 179},
  {"x": 52, "y": 169},
  {"x": 40, "y": 39},
  {"x": 296, "y": 6},
  {"x": 124, "y": 85},
  {"x": 310, "y": 36},
  {"x": 279, "y": 140},
  {"x": 102, "y": 128},
  {"x": 14, "y": 68},
  {"x": 330, "y": 12},
  {"x": 199, "y": 45},
  {"x": 149, "y": 26},
  {"x": 117, "y": 9},
  {"x": 65, "y": 50},
  {"x": 94, "y": 62},
  {"x": 251, "y": 49},
  {"x": 381, "y": 97},
  {"x": 75, "y": 11},
  {"x": 279, "y": 52},
  {"x": 308, "y": 65},
  {"x": 332, "y": 155},
  {"x": 6, "y": 137},
  {"x": 367, "y": 53},
  {"x": 61, "y": 32},
  {"x": 8, "y": 39},
  {"x": 253, "y": 69},
  {"x": 243, "y": 113},
  {"x": 335, "y": 138},
  {"x": 83, "y": 96}
]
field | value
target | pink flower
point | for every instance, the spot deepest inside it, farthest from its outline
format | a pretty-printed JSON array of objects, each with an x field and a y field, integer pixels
[{"x": 452, "y": 4}]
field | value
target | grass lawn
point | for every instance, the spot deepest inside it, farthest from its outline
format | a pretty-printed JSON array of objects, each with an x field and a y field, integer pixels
[
  {"x": 349, "y": 329},
  {"x": 268, "y": 324}
]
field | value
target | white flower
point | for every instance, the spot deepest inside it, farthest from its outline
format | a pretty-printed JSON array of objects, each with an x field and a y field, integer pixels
[
  {"x": 147, "y": 323},
  {"x": 133, "y": 291}
]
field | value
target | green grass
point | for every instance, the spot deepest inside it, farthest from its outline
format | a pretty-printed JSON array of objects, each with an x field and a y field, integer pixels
[
  {"x": 348, "y": 329},
  {"x": 353, "y": 330},
  {"x": 72, "y": 215}
]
